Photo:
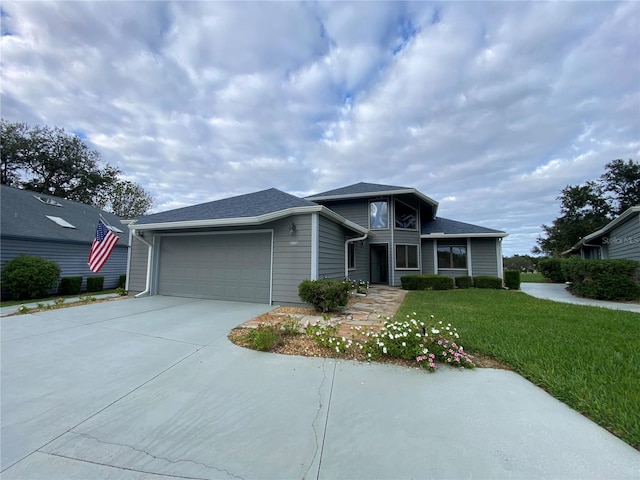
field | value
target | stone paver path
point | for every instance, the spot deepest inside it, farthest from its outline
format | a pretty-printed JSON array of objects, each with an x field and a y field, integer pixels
[{"x": 368, "y": 312}]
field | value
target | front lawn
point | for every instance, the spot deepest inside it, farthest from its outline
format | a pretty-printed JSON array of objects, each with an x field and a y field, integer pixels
[
  {"x": 533, "y": 278},
  {"x": 587, "y": 357}
]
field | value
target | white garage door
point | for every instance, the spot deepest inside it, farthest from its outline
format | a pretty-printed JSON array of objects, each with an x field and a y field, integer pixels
[{"x": 233, "y": 267}]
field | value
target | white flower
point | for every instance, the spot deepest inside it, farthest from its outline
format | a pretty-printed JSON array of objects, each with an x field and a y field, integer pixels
[
  {"x": 433, "y": 330},
  {"x": 384, "y": 350},
  {"x": 404, "y": 344}
]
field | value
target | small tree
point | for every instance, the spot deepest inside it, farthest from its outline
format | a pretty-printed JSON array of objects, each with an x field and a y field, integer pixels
[{"x": 29, "y": 276}]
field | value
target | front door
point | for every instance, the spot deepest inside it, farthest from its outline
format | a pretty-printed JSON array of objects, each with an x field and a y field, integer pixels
[{"x": 379, "y": 263}]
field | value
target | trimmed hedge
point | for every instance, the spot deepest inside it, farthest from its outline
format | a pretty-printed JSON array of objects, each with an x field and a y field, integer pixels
[
  {"x": 512, "y": 279},
  {"x": 325, "y": 295},
  {"x": 95, "y": 284},
  {"x": 551, "y": 268},
  {"x": 426, "y": 282},
  {"x": 488, "y": 282},
  {"x": 122, "y": 281},
  {"x": 603, "y": 279},
  {"x": 70, "y": 285},
  {"x": 464, "y": 282},
  {"x": 29, "y": 276}
]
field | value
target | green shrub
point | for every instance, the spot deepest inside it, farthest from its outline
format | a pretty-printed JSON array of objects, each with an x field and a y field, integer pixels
[
  {"x": 426, "y": 282},
  {"x": 486, "y": 281},
  {"x": 70, "y": 285},
  {"x": 29, "y": 276},
  {"x": 122, "y": 281},
  {"x": 95, "y": 284},
  {"x": 603, "y": 279},
  {"x": 464, "y": 282},
  {"x": 512, "y": 279},
  {"x": 552, "y": 269},
  {"x": 325, "y": 295},
  {"x": 264, "y": 337}
]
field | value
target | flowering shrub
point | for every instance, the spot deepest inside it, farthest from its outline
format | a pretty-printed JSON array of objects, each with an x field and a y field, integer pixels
[{"x": 407, "y": 339}]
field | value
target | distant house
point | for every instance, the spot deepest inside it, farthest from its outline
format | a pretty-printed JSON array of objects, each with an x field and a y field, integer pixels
[
  {"x": 259, "y": 247},
  {"x": 619, "y": 239},
  {"x": 60, "y": 230}
]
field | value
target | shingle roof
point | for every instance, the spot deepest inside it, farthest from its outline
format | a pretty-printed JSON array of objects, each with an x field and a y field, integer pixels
[
  {"x": 24, "y": 216},
  {"x": 358, "y": 189},
  {"x": 243, "y": 206},
  {"x": 453, "y": 227}
]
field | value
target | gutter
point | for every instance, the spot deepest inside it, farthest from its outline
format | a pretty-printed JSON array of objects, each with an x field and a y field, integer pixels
[
  {"x": 346, "y": 251},
  {"x": 149, "y": 259}
]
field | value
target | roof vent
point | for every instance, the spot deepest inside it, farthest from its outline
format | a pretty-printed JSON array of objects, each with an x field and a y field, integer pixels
[
  {"x": 60, "y": 221},
  {"x": 48, "y": 201}
]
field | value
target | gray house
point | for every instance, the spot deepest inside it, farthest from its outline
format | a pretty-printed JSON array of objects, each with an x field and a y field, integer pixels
[
  {"x": 60, "y": 230},
  {"x": 619, "y": 239},
  {"x": 259, "y": 247}
]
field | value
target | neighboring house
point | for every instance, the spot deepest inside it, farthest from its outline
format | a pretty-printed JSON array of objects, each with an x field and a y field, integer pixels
[
  {"x": 619, "y": 239},
  {"x": 60, "y": 230},
  {"x": 259, "y": 247}
]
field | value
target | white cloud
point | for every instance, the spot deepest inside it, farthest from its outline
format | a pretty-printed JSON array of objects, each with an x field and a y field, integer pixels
[{"x": 490, "y": 108}]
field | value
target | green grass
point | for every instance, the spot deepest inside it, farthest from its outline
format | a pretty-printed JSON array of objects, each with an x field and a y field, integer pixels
[
  {"x": 587, "y": 357},
  {"x": 533, "y": 278}
]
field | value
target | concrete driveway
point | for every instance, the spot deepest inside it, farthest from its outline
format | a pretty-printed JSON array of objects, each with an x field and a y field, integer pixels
[{"x": 151, "y": 388}]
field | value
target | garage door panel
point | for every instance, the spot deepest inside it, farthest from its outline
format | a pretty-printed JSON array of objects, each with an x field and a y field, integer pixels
[{"x": 222, "y": 267}]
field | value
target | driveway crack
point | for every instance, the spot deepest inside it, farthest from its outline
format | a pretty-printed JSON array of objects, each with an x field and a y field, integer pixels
[
  {"x": 157, "y": 457},
  {"x": 320, "y": 445}
]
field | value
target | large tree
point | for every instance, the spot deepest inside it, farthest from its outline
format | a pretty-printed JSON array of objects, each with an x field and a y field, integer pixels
[
  {"x": 588, "y": 207},
  {"x": 125, "y": 199},
  {"x": 49, "y": 160}
]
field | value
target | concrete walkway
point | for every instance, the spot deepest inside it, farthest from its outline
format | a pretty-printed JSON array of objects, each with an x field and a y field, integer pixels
[
  {"x": 151, "y": 388},
  {"x": 558, "y": 292}
]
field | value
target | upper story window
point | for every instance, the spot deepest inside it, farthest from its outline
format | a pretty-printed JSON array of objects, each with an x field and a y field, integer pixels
[
  {"x": 378, "y": 214},
  {"x": 406, "y": 216}
]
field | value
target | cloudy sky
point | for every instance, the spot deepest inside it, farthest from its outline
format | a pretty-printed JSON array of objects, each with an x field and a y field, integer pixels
[{"x": 489, "y": 108}]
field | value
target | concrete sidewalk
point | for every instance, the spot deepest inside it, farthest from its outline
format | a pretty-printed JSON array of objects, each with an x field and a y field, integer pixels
[
  {"x": 558, "y": 292},
  {"x": 5, "y": 311},
  {"x": 151, "y": 388}
]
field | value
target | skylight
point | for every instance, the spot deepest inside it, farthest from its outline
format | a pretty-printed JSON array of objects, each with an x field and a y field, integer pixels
[
  {"x": 48, "y": 201},
  {"x": 60, "y": 221},
  {"x": 114, "y": 229}
]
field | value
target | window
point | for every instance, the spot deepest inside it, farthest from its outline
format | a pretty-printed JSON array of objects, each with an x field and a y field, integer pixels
[
  {"x": 450, "y": 256},
  {"x": 405, "y": 216},
  {"x": 378, "y": 214},
  {"x": 407, "y": 256},
  {"x": 352, "y": 256}
]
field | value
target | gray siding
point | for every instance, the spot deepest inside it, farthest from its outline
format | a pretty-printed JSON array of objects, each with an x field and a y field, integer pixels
[
  {"x": 70, "y": 256},
  {"x": 355, "y": 210},
  {"x": 427, "y": 257},
  {"x": 624, "y": 241},
  {"x": 291, "y": 258},
  {"x": 331, "y": 249},
  {"x": 484, "y": 257},
  {"x": 361, "y": 272},
  {"x": 138, "y": 266}
]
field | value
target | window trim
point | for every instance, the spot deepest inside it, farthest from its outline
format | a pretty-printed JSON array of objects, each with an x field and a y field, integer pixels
[
  {"x": 351, "y": 256},
  {"x": 450, "y": 247},
  {"x": 406, "y": 256},
  {"x": 386, "y": 200},
  {"x": 395, "y": 212}
]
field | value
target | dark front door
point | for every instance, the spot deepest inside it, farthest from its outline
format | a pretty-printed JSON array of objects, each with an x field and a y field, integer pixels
[{"x": 379, "y": 256}]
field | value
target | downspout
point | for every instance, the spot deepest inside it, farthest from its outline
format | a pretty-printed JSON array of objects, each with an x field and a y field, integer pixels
[
  {"x": 346, "y": 251},
  {"x": 149, "y": 260}
]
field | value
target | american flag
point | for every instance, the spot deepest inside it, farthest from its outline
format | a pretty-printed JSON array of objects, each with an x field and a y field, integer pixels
[{"x": 102, "y": 246}]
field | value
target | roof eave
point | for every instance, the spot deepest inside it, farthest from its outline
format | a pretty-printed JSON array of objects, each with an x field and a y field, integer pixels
[
  {"x": 464, "y": 235},
  {"x": 404, "y": 191},
  {"x": 610, "y": 226}
]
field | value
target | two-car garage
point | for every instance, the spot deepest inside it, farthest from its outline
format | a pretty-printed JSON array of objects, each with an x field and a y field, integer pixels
[{"x": 225, "y": 266}]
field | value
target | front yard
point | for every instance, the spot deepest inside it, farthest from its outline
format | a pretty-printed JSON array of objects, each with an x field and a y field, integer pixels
[{"x": 587, "y": 357}]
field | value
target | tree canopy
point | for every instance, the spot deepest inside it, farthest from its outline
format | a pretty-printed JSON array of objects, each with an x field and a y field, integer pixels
[
  {"x": 49, "y": 160},
  {"x": 588, "y": 207}
]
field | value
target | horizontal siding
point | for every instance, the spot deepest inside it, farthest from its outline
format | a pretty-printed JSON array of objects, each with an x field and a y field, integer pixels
[
  {"x": 361, "y": 272},
  {"x": 427, "y": 257},
  {"x": 138, "y": 267},
  {"x": 291, "y": 258},
  {"x": 71, "y": 257},
  {"x": 331, "y": 247},
  {"x": 484, "y": 257},
  {"x": 355, "y": 210},
  {"x": 624, "y": 241}
]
